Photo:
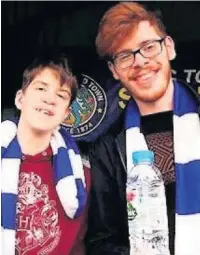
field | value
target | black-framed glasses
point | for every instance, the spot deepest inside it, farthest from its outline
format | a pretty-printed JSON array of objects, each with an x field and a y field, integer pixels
[{"x": 126, "y": 59}]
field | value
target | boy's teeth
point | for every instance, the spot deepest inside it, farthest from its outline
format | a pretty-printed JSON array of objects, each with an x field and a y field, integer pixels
[{"x": 43, "y": 111}]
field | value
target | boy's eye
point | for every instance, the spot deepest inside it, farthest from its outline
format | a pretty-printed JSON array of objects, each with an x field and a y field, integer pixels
[
  {"x": 41, "y": 88},
  {"x": 61, "y": 96}
]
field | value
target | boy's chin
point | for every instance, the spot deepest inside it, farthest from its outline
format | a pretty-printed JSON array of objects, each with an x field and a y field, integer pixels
[{"x": 44, "y": 129}]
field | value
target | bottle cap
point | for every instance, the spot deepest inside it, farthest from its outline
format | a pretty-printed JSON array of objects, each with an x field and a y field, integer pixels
[{"x": 142, "y": 156}]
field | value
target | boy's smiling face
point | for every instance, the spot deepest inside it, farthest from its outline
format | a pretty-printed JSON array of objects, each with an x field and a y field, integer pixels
[{"x": 44, "y": 103}]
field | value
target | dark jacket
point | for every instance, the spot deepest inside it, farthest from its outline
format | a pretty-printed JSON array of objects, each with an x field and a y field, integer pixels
[{"x": 108, "y": 221}]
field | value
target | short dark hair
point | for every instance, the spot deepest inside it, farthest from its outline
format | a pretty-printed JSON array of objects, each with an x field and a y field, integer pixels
[{"x": 59, "y": 64}]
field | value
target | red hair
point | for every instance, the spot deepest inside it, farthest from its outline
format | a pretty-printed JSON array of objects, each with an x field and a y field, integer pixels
[{"x": 119, "y": 22}]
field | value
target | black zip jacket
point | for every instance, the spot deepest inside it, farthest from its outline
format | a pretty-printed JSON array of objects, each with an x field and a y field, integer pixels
[{"x": 108, "y": 221}]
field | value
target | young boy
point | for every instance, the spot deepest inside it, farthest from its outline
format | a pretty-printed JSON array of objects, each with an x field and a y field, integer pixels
[{"x": 44, "y": 187}]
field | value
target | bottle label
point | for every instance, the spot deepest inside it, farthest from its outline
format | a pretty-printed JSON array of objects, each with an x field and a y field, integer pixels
[{"x": 132, "y": 213}]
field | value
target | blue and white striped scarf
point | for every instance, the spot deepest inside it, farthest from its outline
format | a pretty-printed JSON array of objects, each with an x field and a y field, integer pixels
[
  {"x": 69, "y": 179},
  {"x": 186, "y": 130}
]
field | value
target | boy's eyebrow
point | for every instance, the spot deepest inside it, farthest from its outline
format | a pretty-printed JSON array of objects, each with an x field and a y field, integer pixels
[
  {"x": 62, "y": 89},
  {"x": 42, "y": 82}
]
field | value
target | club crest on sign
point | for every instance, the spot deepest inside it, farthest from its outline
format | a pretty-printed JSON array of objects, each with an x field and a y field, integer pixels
[{"x": 87, "y": 110}]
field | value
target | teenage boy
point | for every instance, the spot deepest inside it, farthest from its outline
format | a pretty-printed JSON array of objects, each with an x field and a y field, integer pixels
[{"x": 44, "y": 186}]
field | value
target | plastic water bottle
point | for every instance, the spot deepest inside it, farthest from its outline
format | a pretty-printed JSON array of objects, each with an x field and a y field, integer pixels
[{"x": 146, "y": 205}]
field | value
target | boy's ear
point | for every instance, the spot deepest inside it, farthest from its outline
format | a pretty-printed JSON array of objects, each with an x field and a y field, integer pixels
[
  {"x": 67, "y": 112},
  {"x": 18, "y": 99}
]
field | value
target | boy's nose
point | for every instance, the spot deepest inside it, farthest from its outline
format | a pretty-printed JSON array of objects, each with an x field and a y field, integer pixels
[{"x": 50, "y": 99}]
